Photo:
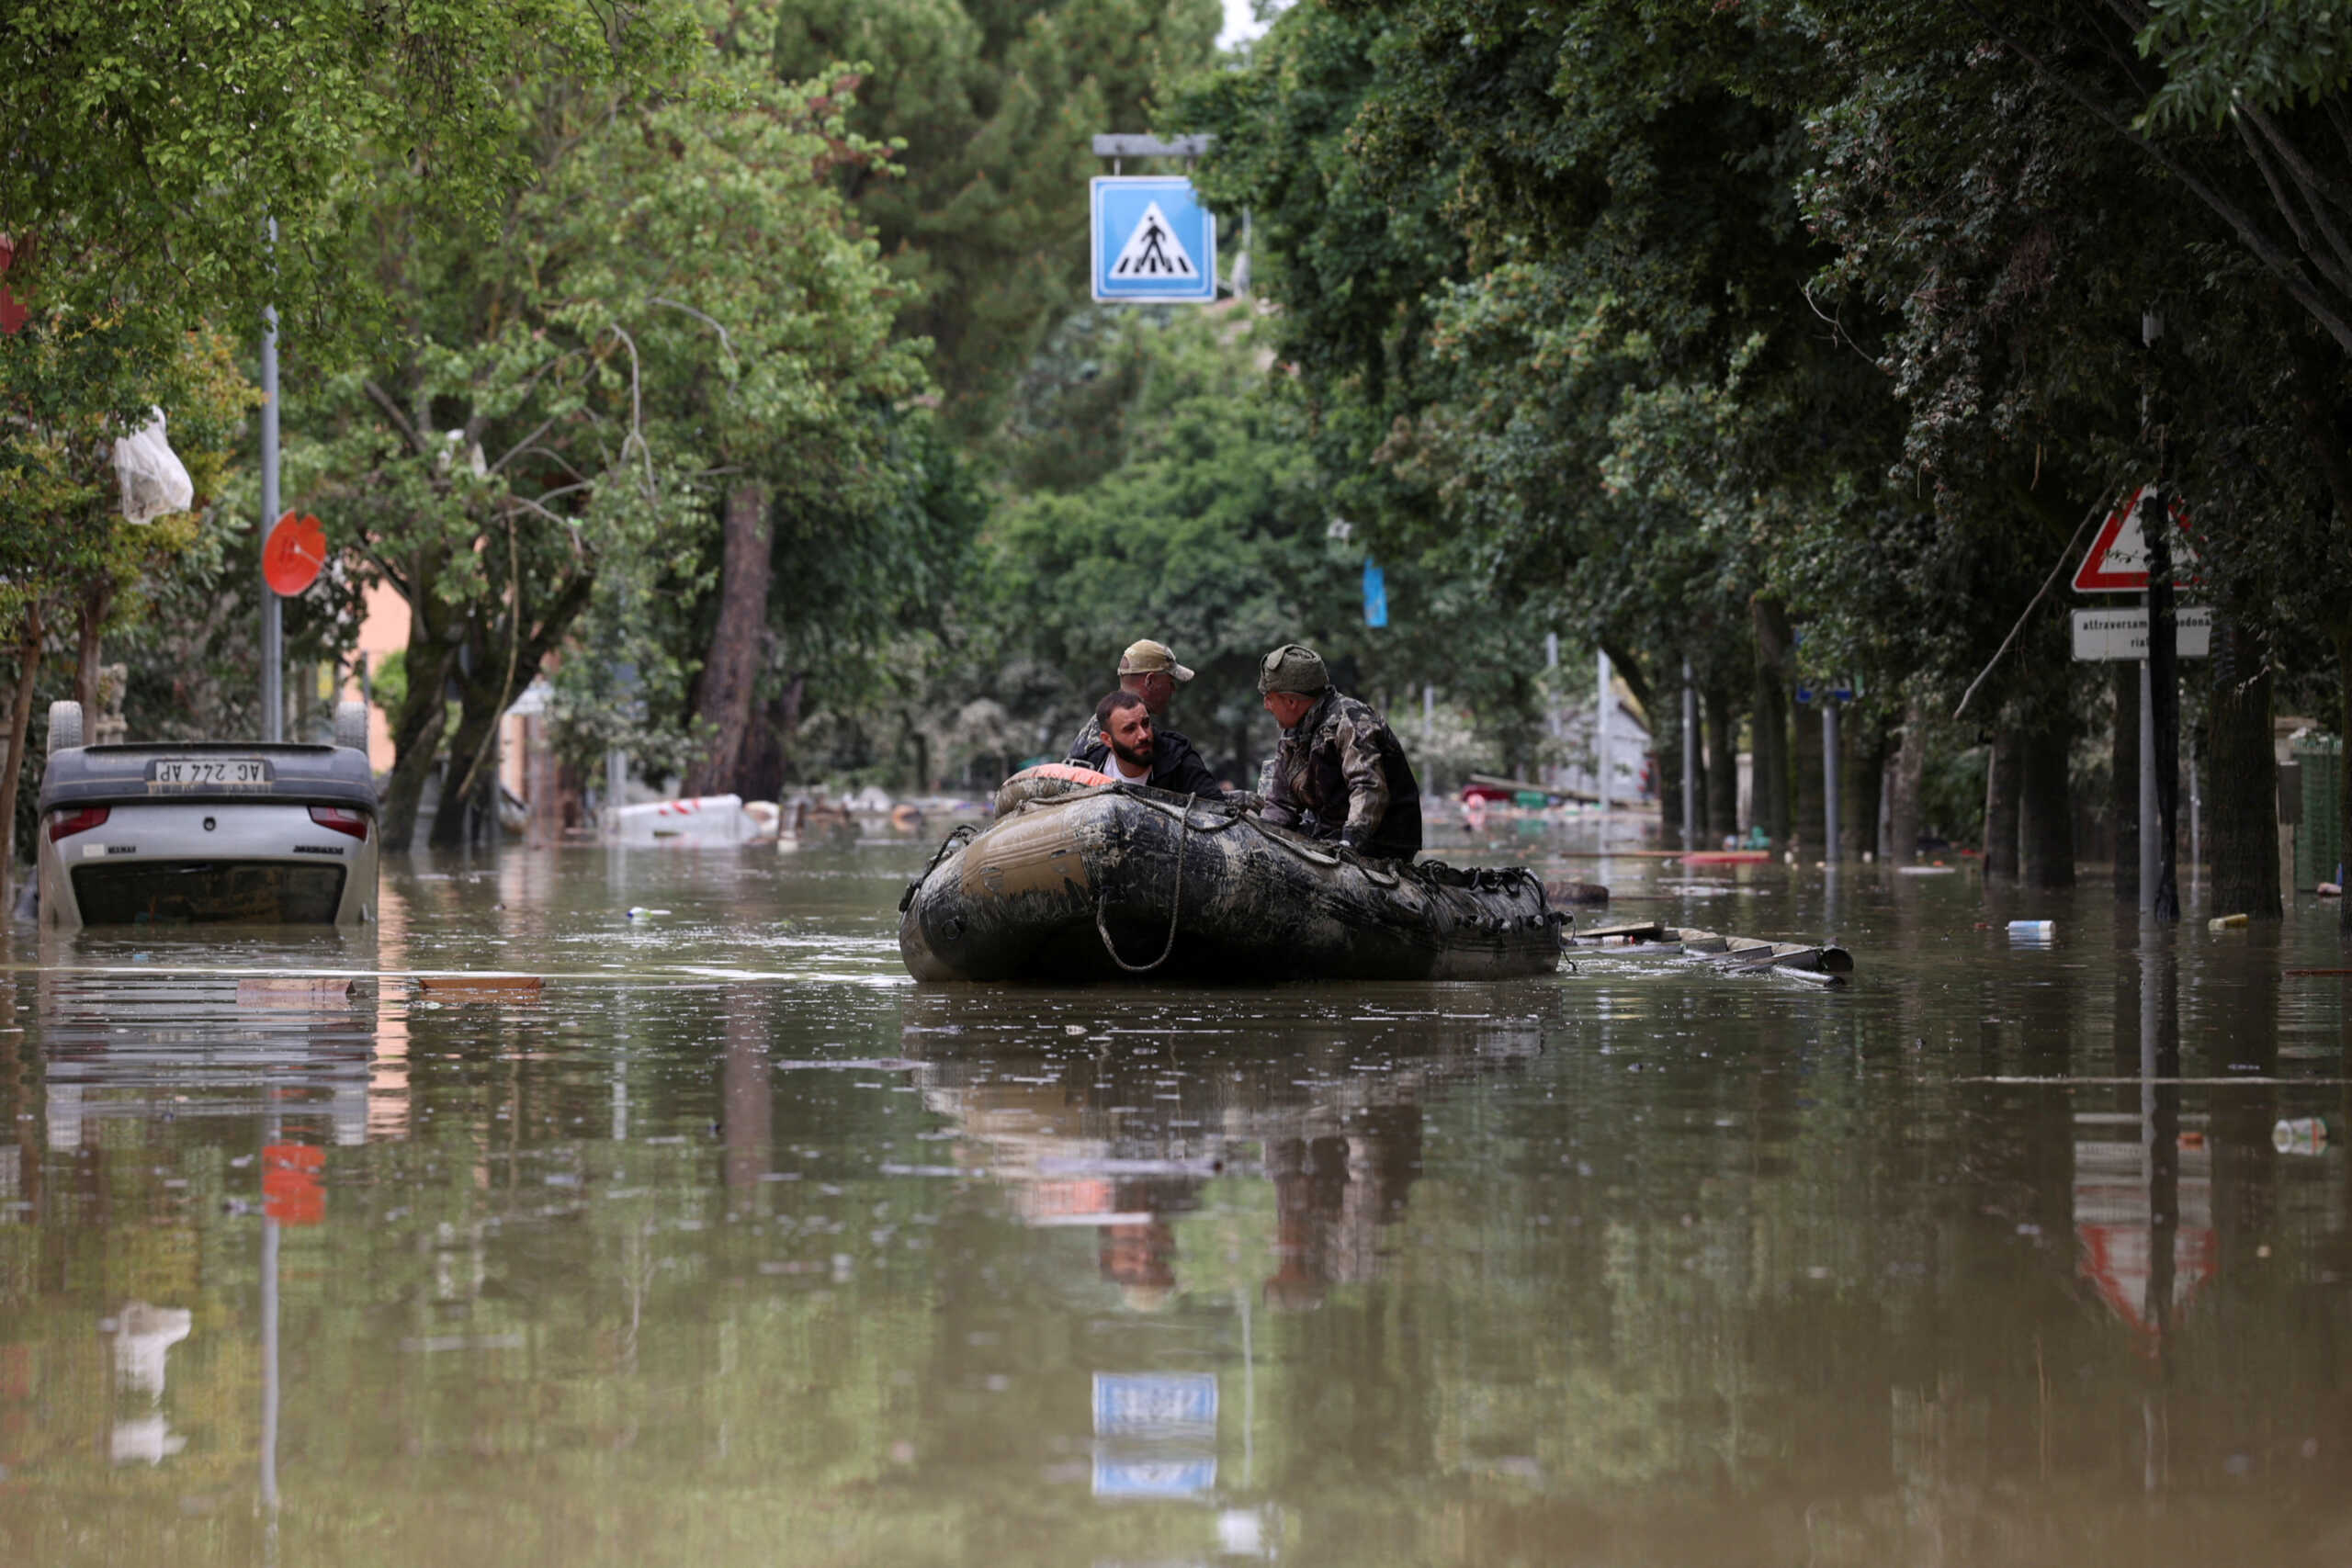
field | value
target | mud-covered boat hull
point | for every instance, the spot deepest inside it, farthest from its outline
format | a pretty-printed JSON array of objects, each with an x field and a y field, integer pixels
[{"x": 1083, "y": 888}]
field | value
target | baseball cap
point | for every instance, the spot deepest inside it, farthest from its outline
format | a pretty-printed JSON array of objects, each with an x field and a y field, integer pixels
[{"x": 1150, "y": 658}]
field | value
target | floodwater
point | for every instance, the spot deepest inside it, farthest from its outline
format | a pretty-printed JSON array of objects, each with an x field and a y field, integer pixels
[{"x": 737, "y": 1246}]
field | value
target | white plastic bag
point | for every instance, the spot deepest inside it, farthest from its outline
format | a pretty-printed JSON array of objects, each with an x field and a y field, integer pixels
[{"x": 154, "y": 484}]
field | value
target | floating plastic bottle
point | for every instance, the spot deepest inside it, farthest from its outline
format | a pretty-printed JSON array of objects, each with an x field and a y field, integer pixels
[{"x": 2300, "y": 1136}]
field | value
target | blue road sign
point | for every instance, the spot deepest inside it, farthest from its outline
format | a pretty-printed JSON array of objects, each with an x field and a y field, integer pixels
[
  {"x": 1154, "y": 242},
  {"x": 1375, "y": 594}
]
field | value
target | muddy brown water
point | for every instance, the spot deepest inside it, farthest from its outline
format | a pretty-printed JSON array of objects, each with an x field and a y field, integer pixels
[{"x": 738, "y": 1247}]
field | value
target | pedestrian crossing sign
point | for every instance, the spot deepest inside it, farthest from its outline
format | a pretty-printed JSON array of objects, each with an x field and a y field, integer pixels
[{"x": 1153, "y": 240}]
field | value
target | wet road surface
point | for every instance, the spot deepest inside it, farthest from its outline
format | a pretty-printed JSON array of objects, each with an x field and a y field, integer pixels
[{"x": 736, "y": 1245}]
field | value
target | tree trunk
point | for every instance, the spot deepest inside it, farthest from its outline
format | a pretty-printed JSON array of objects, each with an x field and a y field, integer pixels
[
  {"x": 2244, "y": 771},
  {"x": 2003, "y": 775},
  {"x": 1667, "y": 746},
  {"x": 2125, "y": 766},
  {"x": 1904, "y": 813},
  {"x": 765, "y": 760},
  {"x": 1768, "y": 724},
  {"x": 730, "y": 673},
  {"x": 480, "y": 704},
  {"x": 1810, "y": 818},
  {"x": 1862, "y": 772},
  {"x": 20, "y": 721},
  {"x": 92, "y": 611},
  {"x": 2045, "y": 803},
  {"x": 1722, "y": 775},
  {"x": 2342, "y": 637}
]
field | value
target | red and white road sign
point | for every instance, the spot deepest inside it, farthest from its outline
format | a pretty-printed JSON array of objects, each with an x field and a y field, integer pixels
[
  {"x": 293, "y": 554},
  {"x": 2117, "y": 559}
]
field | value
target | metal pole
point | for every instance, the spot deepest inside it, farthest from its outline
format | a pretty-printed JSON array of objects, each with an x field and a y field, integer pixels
[
  {"x": 2196, "y": 824},
  {"x": 1689, "y": 760},
  {"x": 2147, "y": 791},
  {"x": 1600, "y": 728},
  {"x": 1828, "y": 779},
  {"x": 615, "y": 788},
  {"x": 273, "y": 635}
]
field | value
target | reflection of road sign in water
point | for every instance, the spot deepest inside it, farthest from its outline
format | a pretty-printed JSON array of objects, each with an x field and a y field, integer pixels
[
  {"x": 1153, "y": 240},
  {"x": 1154, "y": 1404},
  {"x": 1156, "y": 1434}
]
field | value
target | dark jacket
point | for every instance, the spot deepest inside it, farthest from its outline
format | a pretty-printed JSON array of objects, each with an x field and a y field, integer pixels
[
  {"x": 1175, "y": 765},
  {"x": 1342, "y": 775}
]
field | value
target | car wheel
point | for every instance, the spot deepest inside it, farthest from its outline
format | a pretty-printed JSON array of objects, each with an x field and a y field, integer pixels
[
  {"x": 351, "y": 725},
  {"x": 64, "y": 727}
]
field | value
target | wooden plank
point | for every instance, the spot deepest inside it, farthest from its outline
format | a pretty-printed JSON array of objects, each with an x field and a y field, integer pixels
[
  {"x": 509, "y": 990},
  {"x": 295, "y": 991},
  {"x": 1640, "y": 931}
]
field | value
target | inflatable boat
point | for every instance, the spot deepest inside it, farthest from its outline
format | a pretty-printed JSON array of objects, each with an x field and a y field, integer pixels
[{"x": 1084, "y": 878}]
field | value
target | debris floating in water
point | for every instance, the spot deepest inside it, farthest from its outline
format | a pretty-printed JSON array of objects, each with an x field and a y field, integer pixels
[
  {"x": 2300, "y": 1136},
  {"x": 2033, "y": 930},
  {"x": 639, "y": 912}
]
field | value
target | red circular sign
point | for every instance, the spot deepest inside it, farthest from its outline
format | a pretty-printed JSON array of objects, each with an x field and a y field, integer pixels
[{"x": 296, "y": 550}]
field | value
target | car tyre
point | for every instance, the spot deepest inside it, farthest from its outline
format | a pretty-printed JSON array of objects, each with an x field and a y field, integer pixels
[
  {"x": 64, "y": 727},
  {"x": 351, "y": 725}
]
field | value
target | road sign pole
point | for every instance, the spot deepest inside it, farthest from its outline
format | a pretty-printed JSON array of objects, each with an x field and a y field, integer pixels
[
  {"x": 273, "y": 635},
  {"x": 2147, "y": 790},
  {"x": 2164, "y": 688}
]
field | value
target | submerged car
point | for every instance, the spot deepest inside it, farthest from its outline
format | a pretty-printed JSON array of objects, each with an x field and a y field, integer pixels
[{"x": 207, "y": 832}]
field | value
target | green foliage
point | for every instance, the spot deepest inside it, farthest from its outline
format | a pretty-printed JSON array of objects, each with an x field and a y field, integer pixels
[
  {"x": 990, "y": 106},
  {"x": 150, "y": 139}
]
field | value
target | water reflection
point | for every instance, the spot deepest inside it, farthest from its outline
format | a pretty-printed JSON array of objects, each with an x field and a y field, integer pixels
[{"x": 1991, "y": 1258}]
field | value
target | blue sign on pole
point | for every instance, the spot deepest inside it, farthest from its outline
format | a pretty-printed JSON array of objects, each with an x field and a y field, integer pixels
[
  {"x": 1154, "y": 242},
  {"x": 1375, "y": 594}
]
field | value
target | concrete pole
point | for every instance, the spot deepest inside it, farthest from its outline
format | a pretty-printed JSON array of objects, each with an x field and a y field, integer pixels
[
  {"x": 1829, "y": 778},
  {"x": 1601, "y": 737},
  {"x": 1689, "y": 760},
  {"x": 273, "y": 636}
]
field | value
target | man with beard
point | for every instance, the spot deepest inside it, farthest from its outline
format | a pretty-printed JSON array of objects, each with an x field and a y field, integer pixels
[{"x": 1125, "y": 748}]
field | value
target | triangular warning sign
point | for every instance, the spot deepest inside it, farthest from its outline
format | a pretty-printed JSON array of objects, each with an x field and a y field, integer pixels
[
  {"x": 1153, "y": 250},
  {"x": 2117, "y": 561}
]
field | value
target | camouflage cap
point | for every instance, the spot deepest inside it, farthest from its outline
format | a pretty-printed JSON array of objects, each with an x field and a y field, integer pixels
[
  {"x": 1150, "y": 658},
  {"x": 1296, "y": 667}
]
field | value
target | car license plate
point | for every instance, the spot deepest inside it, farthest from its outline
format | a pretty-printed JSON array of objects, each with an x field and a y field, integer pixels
[{"x": 208, "y": 773}]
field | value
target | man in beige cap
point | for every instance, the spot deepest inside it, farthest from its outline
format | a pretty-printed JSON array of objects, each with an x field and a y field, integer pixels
[{"x": 1151, "y": 672}]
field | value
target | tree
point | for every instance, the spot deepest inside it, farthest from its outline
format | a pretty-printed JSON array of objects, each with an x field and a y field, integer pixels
[
  {"x": 990, "y": 106},
  {"x": 71, "y": 384},
  {"x": 675, "y": 309},
  {"x": 149, "y": 138}
]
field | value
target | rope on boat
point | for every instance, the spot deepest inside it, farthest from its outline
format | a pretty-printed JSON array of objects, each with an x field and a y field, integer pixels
[
  {"x": 961, "y": 834},
  {"x": 1175, "y": 900}
]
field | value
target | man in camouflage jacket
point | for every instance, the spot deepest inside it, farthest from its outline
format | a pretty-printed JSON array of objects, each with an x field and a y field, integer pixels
[{"x": 1340, "y": 772}]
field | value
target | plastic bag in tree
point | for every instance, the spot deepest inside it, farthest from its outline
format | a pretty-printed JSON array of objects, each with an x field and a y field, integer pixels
[{"x": 154, "y": 481}]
